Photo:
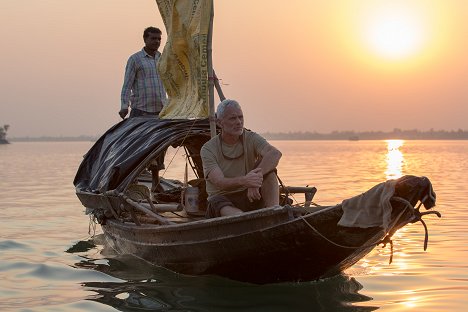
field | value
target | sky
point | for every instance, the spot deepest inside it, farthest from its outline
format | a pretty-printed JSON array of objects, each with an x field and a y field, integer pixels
[{"x": 296, "y": 65}]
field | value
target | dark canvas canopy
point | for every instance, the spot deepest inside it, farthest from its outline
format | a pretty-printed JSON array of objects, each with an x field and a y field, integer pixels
[{"x": 110, "y": 163}]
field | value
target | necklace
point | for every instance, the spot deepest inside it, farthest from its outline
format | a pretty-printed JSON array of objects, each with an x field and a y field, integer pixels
[{"x": 232, "y": 158}]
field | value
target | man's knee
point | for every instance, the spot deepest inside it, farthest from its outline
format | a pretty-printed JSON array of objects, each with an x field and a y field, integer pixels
[
  {"x": 229, "y": 211},
  {"x": 216, "y": 204},
  {"x": 270, "y": 179}
]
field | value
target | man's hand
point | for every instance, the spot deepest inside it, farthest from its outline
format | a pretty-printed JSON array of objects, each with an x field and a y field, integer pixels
[
  {"x": 123, "y": 112},
  {"x": 254, "y": 178},
  {"x": 253, "y": 193}
]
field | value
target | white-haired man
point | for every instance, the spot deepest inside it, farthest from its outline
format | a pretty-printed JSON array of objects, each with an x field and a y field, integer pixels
[{"x": 239, "y": 166}]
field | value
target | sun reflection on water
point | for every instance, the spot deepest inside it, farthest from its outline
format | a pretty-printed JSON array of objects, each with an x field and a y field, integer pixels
[{"x": 394, "y": 159}]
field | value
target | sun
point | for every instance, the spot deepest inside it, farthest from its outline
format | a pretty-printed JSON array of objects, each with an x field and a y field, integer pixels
[
  {"x": 394, "y": 32},
  {"x": 391, "y": 36}
]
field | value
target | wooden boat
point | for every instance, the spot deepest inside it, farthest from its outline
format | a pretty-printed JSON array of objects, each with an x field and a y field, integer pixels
[
  {"x": 290, "y": 242},
  {"x": 283, "y": 243}
]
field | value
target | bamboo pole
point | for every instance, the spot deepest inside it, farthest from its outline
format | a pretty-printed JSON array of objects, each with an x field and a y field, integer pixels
[
  {"x": 171, "y": 207},
  {"x": 211, "y": 109},
  {"x": 146, "y": 211},
  {"x": 298, "y": 189},
  {"x": 218, "y": 87}
]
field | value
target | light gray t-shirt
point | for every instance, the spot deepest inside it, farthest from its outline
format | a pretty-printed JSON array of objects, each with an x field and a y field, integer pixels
[{"x": 233, "y": 160}]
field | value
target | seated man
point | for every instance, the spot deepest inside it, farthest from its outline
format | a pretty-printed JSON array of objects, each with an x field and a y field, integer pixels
[{"x": 239, "y": 166}]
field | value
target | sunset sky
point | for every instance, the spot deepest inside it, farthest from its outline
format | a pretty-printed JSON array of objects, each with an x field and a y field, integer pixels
[{"x": 297, "y": 65}]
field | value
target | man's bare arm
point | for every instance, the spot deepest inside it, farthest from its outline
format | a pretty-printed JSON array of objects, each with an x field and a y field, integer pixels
[
  {"x": 253, "y": 179},
  {"x": 270, "y": 159}
]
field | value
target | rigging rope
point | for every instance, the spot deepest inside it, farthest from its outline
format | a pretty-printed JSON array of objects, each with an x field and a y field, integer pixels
[
  {"x": 384, "y": 241},
  {"x": 178, "y": 148},
  {"x": 92, "y": 225}
]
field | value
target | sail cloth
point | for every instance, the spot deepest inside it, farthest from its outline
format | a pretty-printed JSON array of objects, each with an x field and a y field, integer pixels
[{"x": 183, "y": 66}]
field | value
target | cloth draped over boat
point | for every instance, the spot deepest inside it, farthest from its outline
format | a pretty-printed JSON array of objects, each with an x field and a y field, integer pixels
[
  {"x": 109, "y": 163},
  {"x": 371, "y": 208},
  {"x": 183, "y": 66}
]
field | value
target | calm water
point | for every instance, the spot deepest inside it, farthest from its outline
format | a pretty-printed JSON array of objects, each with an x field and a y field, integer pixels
[{"x": 49, "y": 262}]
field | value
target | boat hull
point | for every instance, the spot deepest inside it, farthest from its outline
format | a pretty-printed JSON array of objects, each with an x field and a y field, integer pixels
[{"x": 265, "y": 246}]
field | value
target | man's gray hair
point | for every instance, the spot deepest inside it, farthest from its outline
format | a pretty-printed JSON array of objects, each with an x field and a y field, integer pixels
[{"x": 225, "y": 104}]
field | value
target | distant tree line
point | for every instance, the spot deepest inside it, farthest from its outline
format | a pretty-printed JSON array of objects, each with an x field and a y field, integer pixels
[
  {"x": 300, "y": 135},
  {"x": 3, "y": 133},
  {"x": 80, "y": 138},
  {"x": 371, "y": 135}
]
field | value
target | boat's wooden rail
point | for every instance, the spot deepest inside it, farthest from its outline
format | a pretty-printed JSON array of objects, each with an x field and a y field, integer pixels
[
  {"x": 309, "y": 192},
  {"x": 138, "y": 204}
]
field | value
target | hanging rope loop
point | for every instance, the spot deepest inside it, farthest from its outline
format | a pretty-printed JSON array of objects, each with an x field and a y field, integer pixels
[{"x": 417, "y": 216}]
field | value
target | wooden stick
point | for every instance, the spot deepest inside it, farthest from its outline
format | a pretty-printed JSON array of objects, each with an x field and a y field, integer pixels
[
  {"x": 309, "y": 192},
  {"x": 146, "y": 211},
  {"x": 165, "y": 207},
  {"x": 211, "y": 109},
  {"x": 298, "y": 189},
  {"x": 218, "y": 87}
]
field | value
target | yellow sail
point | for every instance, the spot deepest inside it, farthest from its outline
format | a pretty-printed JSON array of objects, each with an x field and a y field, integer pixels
[{"x": 183, "y": 65}]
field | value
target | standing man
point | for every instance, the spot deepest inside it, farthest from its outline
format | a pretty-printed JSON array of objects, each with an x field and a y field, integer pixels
[
  {"x": 142, "y": 89},
  {"x": 239, "y": 166}
]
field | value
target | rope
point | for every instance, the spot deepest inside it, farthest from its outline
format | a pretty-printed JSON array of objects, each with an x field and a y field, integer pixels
[
  {"x": 182, "y": 193},
  {"x": 178, "y": 148},
  {"x": 332, "y": 242},
  {"x": 418, "y": 217},
  {"x": 189, "y": 159},
  {"x": 384, "y": 241},
  {"x": 92, "y": 225},
  {"x": 387, "y": 239},
  {"x": 287, "y": 193}
]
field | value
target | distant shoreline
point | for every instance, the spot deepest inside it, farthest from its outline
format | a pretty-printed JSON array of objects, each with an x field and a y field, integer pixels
[
  {"x": 396, "y": 134},
  {"x": 80, "y": 138}
]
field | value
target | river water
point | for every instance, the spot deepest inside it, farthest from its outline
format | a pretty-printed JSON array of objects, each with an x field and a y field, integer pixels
[{"x": 50, "y": 262}]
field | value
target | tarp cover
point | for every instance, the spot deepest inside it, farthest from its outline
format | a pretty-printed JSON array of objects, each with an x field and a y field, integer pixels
[
  {"x": 183, "y": 66},
  {"x": 122, "y": 148}
]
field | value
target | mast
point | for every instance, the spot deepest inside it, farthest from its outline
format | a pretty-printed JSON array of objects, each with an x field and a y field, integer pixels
[{"x": 211, "y": 78}]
